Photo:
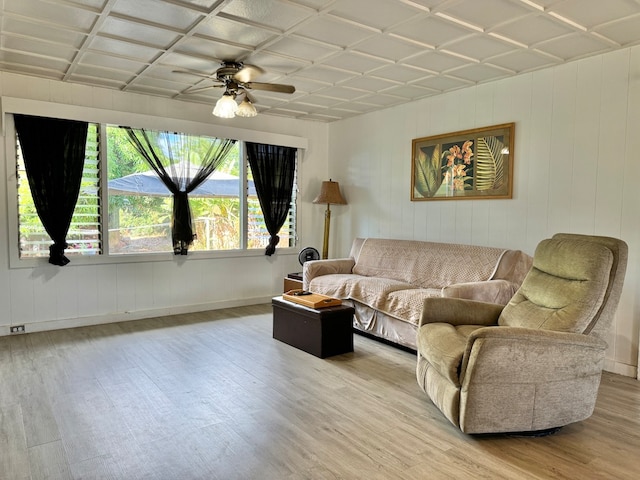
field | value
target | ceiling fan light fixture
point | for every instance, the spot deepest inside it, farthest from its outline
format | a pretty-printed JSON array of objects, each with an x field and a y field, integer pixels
[
  {"x": 246, "y": 109},
  {"x": 226, "y": 106}
]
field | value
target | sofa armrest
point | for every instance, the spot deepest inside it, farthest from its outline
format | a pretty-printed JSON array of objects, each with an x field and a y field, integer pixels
[
  {"x": 317, "y": 268},
  {"x": 459, "y": 311},
  {"x": 491, "y": 291}
]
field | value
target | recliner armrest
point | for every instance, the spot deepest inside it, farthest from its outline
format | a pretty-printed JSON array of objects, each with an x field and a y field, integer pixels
[
  {"x": 317, "y": 268},
  {"x": 516, "y": 354},
  {"x": 459, "y": 311}
]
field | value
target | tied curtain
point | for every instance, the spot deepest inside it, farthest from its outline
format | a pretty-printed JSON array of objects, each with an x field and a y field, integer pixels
[
  {"x": 170, "y": 156},
  {"x": 273, "y": 168},
  {"x": 53, "y": 151}
]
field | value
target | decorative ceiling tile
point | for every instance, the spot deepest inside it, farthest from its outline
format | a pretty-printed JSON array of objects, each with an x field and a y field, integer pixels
[
  {"x": 356, "y": 62},
  {"x": 382, "y": 15},
  {"x": 370, "y": 84},
  {"x": 121, "y": 48},
  {"x": 147, "y": 35},
  {"x": 480, "y": 47},
  {"x": 215, "y": 51},
  {"x": 219, "y": 28},
  {"x": 443, "y": 83},
  {"x": 388, "y": 47},
  {"x": 301, "y": 48},
  {"x": 361, "y": 54},
  {"x": 522, "y": 60},
  {"x": 590, "y": 13},
  {"x": 157, "y": 12},
  {"x": 624, "y": 32},
  {"x": 533, "y": 29},
  {"x": 433, "y": 31},
  {"x": 411, "y": 92},
  {"x": 479, "y": 73},
  {"x": 400, "y": 73},
  {"x": 40, "y": 48},
  {"x": 573, "y": 46},
  {"x": 326, "y": 74},
  {"x": 51, "y": 13},
  {"x": 487, "y": 13},
  {"x": 267, "y": 12},
  {"x": 333, "y": 31},
  {"x": 436, "y": 62}
]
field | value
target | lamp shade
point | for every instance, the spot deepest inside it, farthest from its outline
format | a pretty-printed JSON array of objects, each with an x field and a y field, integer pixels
[
  {"x": 330, "y": 194},
  {"x": 246, "y": 109},
  {"x": 226, "y": 107}
]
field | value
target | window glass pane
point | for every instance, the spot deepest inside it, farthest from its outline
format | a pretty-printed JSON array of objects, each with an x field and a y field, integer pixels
[
  {"x": 84, "y": 235},
  {"x": 257, "y": 233},
  {"x": 140, "y": 205}
]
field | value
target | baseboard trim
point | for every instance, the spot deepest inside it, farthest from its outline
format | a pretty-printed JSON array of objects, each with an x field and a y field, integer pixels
[
  {"x": 87, "y": 321},
  {"x": 621, "y": 368}
]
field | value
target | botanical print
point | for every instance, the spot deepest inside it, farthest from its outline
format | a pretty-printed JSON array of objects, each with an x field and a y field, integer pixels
[{"x": 472, "y": 164}]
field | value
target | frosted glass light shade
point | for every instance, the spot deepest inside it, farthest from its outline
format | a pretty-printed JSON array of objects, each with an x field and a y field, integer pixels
[
  {"x": 246, "y": 109},
  {"x": 226, "y": 107}
]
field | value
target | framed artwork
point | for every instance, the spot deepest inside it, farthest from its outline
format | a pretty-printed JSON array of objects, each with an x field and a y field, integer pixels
[{"x": 472, "y": 164}]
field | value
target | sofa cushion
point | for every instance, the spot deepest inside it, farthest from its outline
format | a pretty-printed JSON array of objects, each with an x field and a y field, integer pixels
[
  {"x": 371, "y": 291},
  {"x": 426, "y": 264},
  {"x": 407, "y": 304}
]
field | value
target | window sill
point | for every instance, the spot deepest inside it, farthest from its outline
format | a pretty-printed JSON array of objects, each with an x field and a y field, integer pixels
[{"x": 148, "y": 257}]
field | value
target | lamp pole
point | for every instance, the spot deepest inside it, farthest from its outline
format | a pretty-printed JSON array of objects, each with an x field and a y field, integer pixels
[{"x": 327, "y": 225}]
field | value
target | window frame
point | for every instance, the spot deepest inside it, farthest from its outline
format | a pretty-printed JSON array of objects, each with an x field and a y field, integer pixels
[{"x": 34, "y": 107}]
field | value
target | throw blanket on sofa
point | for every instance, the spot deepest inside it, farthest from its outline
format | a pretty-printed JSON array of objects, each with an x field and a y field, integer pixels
[
  {"x": 439, "y": 265},
  {"x": 395, "y": 276}
]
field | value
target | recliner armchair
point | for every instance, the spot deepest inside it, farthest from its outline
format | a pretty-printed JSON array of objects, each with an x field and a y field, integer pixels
[{"x": 535, "y": 364}]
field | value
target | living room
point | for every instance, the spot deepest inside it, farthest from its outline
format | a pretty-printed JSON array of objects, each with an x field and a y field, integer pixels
[{"x": 574, "y": 171}]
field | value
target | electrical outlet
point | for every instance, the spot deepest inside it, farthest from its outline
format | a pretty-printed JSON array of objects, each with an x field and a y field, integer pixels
[{"x": 17, "y": 329}]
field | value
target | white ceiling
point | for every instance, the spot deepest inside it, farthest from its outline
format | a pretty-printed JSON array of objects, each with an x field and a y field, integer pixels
[{"x": 344, "y": 57}]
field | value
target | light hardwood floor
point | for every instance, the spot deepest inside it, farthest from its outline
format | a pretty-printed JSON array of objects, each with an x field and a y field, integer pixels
[{"x": 213, "y": 396}]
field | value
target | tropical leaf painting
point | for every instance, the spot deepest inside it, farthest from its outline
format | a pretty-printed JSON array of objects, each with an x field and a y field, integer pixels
[
  {"x": 490, "y": 171},
  {"x": 427, "y": 177},
  {"x": 470, "y": 164}
]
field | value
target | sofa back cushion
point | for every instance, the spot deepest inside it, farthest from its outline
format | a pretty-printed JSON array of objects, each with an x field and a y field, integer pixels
[
  {"x": 564, "y": 289},
  {"x": 426, "y": 264}
]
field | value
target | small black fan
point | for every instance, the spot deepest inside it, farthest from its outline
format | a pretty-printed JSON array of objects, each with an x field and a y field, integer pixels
[{"x": 308, "y": 253}]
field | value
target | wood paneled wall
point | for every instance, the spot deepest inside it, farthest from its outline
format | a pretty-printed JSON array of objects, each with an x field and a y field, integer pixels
[{"x": 577, "y": 164}]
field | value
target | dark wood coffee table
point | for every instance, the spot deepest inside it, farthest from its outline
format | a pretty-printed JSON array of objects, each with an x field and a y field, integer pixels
[{"x": 323, "y": 332}]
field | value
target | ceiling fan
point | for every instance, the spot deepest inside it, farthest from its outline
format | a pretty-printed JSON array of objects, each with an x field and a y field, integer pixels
[{"x": 237, "y": 79}]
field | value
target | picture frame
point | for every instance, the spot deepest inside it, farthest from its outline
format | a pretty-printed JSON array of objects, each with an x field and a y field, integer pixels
[{"x": 467, "y": 165}]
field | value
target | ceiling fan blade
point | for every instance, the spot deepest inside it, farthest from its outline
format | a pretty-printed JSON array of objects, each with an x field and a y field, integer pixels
[
  {"x": 271, "y": 87},
  {"x": 248, "y": 73},
  {"x": 202, "y": 89}
]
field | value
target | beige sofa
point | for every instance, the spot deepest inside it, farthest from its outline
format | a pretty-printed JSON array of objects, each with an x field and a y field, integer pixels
[{"x": 387, "y": 280}]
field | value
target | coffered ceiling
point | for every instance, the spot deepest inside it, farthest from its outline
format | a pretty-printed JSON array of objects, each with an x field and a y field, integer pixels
[{"x": 344, "y": 57}]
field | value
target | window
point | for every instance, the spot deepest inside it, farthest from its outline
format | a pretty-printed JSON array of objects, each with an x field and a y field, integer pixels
[
  {"x": 84, "y": 236},
  {"x": 136, "y": 208}
]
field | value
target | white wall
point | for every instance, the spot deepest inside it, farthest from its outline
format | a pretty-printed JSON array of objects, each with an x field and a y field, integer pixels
[
  {"x": 577, "y": 169},
  {"x": 48, "y": 297}
]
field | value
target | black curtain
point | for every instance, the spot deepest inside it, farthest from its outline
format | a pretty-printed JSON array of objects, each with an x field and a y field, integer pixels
[
  {"x": 53, "y": 151},
  {"x": 273, "y": 168},
  {"x": 168, "y": 154}
]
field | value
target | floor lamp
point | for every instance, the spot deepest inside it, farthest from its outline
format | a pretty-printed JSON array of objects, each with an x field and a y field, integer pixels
[{"x": 329, "y": 193}]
